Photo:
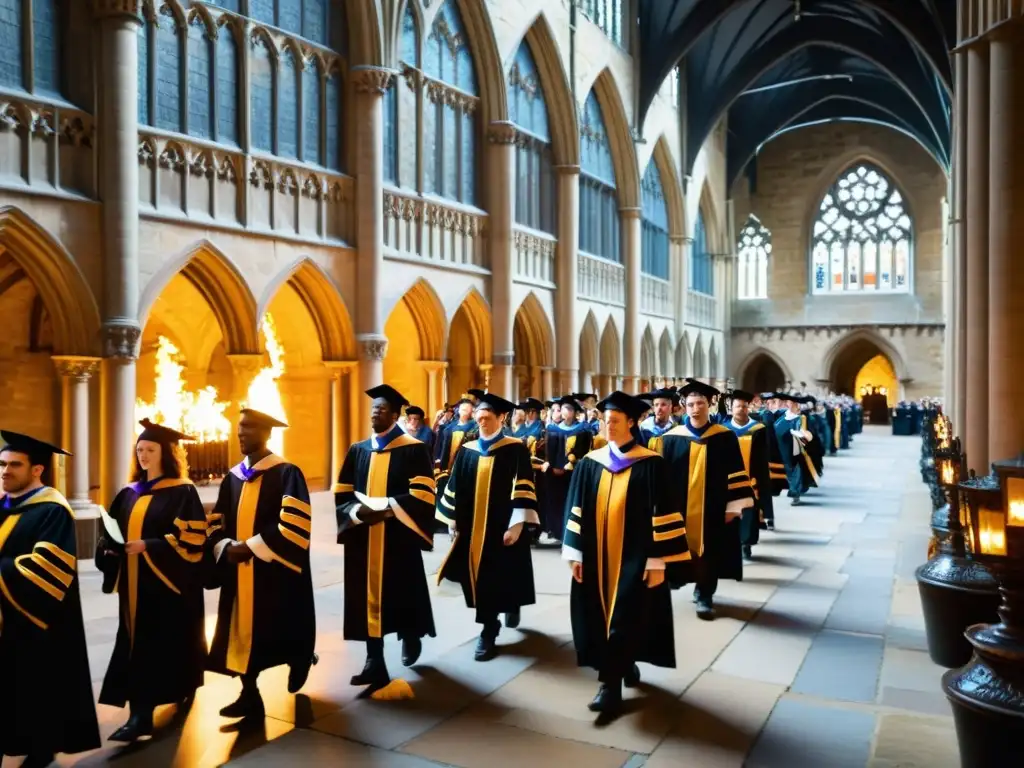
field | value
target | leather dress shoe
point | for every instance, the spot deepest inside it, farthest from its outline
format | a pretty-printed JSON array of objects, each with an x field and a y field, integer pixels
[
  {"x": 512, "y": 619},
  {"x": 608, "y": 700},
  {"x": 249, "y": 704},
  {"x": 374, "y": 670},
  {"x": 632, "y": 677},
  {"x": 485, "y": 648},
  {"x": 412, "y": 647},
  {"x": 299, "y": 673},
  {"x": 137, "y": 727}
]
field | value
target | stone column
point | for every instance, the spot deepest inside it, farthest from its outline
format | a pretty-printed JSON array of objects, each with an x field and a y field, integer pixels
[
  {"x": 118, "y": 139},
  {"x": 677, "y": 272},
  {"x": 958, "y": 326},
  {"x": 339, "y": 370},
  {"x": 567, "y": 344},
  {"x": 244, "y": 370},
  {"x": 547, "y": 386},
  {"x": 501, "y": 201},
  {"x": 435, "y": 387},
  {"x": 630, "y": 218},
  {"x": 486, "y": 371},
  {"x": 371, "y": 84},
  {"x": 75, "y": 375},
  {"x": 1006, "y": 232},
  {"x": 975, "y": 426}
]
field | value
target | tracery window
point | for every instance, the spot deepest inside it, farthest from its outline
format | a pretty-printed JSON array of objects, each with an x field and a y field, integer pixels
[
  {"x": 607, "y": 14},
  {"x": 30, "y": 59},
  {"x": 535, "y": 182},
  {"x": 755, "y": 246},
  {"x": 702, "y": 276},
  {"x": 654, "y": 225},
  {"x": 863, "y": 235},
  {"x": 305, "y": 18},
  {"x": 403, "y": 105},
  {"x": 599, "y": 201}
]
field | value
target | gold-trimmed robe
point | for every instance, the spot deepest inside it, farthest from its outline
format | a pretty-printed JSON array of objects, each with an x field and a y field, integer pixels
[
  {"x": 385, "y": 582},
  {"x": 47, "y": 702}
]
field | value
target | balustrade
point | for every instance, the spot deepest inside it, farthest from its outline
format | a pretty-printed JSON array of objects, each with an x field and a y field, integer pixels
[
  {"x": 601, "y": 280},
  {"x": 655, "y": 296},
  {"x": 701, "y": 310},
  {"x": 435, "y": 231},
  {"x": 534, "y": 256}
]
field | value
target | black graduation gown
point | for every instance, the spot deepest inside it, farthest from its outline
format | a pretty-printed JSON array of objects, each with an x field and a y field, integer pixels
[
  {"x": 711, "y": 480},
  {"x": 160, "y": 652},
  {"x": 447, "y": 445},
  {"x": 385, "y": 582},
  {"x": 801, "y": 471},
  {"x": 266, "y": 616},
  {"x": 564, "y": 448},
  {"x": 754, "y": 439},
  {"x": 47, "y": 703},
  {"x": 487, "y": 493},
  {"x": 621, "y": 514}
]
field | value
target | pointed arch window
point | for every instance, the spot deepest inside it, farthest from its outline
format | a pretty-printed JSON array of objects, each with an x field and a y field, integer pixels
[
  {"x": 306, "y": 18},
  {"x": 403, "y": 105},
  {"x": 702, "y": 276},
  {"x": 599, "y": 201},
  {"x": 608, "y": 15},
  {"x": 535, "y": 180},
  {"x": 754, "y": 248},
  {"x": 200, "y": 80},
  {"x": 31, "y": 32},
  {"x": 862, "y": 238},
  {"x": 654, "y": 225}
]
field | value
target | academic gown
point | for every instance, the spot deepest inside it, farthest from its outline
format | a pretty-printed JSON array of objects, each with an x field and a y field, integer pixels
[
  {"x": 800, "y": 468},
  {"x": 160, "y": 652},
  {"x": 385, "y": 582},
  {"x": 267, "y": 507},
  {"x": 47, "y": 704},
  {"x": 532, "y": 436},
  {"x": 623, "y": 513},
  {"x": 490, "y": 489},
  {"x": 816, "y": 448},
  {"x": 650, "y": 429},
  {"x": 565, "y": 447},
  {"x": 755, "y": 447},
  {"x": 707, "y": 468},
  {"x": 447, "y": 445}
]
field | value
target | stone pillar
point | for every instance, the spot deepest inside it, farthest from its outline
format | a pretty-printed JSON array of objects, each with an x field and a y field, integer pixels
[
  {"x": 244, "y": 369},
  {"x": 567, "y": 344},
  {"x": 678, "y": 265},
  {"x": 630, "y": 218},
  {"x": 547, "y": 387},
  {"x": 486, "y": 371},
  {"x": 501, "y": 213},
  {"x": 75, "y": 375},
  {"x": 975, "y": 426},
  {"x": 118, "y": 139},
  {"x": 339, "y": 370},
  {"x": 1006, "y": 232},
  {"x": 958, "y": 326},
  {"x": 435, "y": 387},
  {"x": 371, "y": 84}
]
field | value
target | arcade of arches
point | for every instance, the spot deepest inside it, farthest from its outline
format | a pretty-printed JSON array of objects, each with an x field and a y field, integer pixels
[{"x": 244, "y": 255}]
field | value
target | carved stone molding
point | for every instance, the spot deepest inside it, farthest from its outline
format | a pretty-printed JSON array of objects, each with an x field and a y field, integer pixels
[
  {"x": 373, "y": 347},
  {"x": 629, "y": 213},
  {"x": 567, "y": 170},
  {"x": 504, "y": 358},
  {"x": 525, "y": 241},
  {"x": 502, "y": 132},
  {"x": 246, "y": 366},
  {"x": 828, "y": 332},
  {"x": 121, "y": 339},
  {"x": 78, "y": 368},
  {"x": 114, "y": 8},
  {"x": 373, "y": 80}
]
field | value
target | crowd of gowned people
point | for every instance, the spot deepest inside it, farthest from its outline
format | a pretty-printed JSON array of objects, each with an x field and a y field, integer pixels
[{"x": 643, "y": 494}]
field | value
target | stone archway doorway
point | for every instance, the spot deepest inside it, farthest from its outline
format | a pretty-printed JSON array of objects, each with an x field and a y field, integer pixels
[{"x": 763, "y": 374}]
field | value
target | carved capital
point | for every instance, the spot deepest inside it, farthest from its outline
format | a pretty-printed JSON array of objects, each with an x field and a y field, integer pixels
[
  {"x": 433, "y": 366},
  {"x": 246, "y": 364},
  {"x": 502, "y": 132},
  {"x": 114, "y": 8},
  {"x": 629, "y": 213},
  {"x": 373, "y": 80},
  {"x": 77, "y": 368},
  {"x": 121, "y": 339},
  {"x": 567, "y": 170},
  {"x": 373, "y": 347}
]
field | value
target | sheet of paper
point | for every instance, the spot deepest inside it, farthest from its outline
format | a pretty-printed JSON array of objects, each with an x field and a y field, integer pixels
[
  {"x": 112, "y": 528},
  {"x": 376, "y": 504}
]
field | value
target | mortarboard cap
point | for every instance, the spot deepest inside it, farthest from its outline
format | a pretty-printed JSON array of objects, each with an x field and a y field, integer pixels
[
  {"x": 262, "y": 419},
  {"x": 742, "y": 394},
  {"x": 493, "y": 402},
  {"x": 581, "y": 396},
  {"x": 568, "y": 400},
  {"x": 549, "y": 403},
  {"x": 386, "y": 392},
  {"x": 783, "y": 396},
  {"x": 646, "y": 397},
  {"x": 477, "y": 394},
  {"x": 531, "y": 404},
  {"x": 37, "y": 451},
  {"x": 632, "y": 407},
  {"x": 663, "y": 394},
  {"x": 158, "y": 433},
  {"x": 694, "y": 387},
  {"x": 415, "y": 410}
]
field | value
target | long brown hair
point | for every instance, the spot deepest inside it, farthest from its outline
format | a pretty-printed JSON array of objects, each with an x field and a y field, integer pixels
[{"x": 173, "y": 462}]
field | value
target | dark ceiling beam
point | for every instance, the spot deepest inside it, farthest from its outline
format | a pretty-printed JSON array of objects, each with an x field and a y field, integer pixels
[{"x": 926, "y": 31}]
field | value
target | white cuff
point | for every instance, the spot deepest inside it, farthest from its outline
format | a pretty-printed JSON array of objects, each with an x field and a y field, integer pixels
[
  {"x": 736, "y": 506},
  {"x": 219, "y": 548},
  {"x": 353, "y": 514},
  {"x": 572, "y": 554},
  {"x": 654, "y": 564},
  {"x": 261, "y": 550},
  {"x": 523, "y": 516}
]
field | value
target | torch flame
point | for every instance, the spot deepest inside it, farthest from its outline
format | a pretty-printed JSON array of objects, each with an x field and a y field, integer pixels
[{"x": 264, "y": 394}]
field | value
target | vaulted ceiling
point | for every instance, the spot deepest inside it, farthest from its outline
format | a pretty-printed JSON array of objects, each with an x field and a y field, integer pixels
[{"x": 774, "y": 65}]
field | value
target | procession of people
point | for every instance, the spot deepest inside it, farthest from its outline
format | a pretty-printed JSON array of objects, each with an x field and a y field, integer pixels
[{"x": 643, "y": 494}]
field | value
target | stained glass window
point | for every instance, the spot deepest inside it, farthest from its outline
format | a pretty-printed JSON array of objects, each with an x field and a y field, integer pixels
[
  {"x": 46, "y": 46},
  {"x": 754, "y": 248},
  {"x": 654, "y": 247},
  {"x": 11, "y": 49},
  {"x": 144, "y": 35},
  {"x": 599, "y": 202},
  {"x": 702, "y": 276},
  {"x": 261, "y": 97},
  {"x": 311, "y": 112},
  {"x": 227, "y": 85},
  {"x": 288, "y": 105},
  {"x": 333, "y": 122},
  {"x": 168, "y": 72},
  {"x": 200, "y": 64},
  {"x": 535, "y": 179},
  {"x": 390, "y": 131},
  {"x": 863, "y": 235},
  {"x": 263, "y": 11},
  {"x": 606, "y": 14}
]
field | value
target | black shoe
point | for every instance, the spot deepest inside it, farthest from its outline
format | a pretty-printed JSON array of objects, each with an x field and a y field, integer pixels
[
  {"x": 485, "y": 648},
  {"x": 412, "y": 647},
  {"x": 37, "y": 761},
  {"x": 795, "y": 502},
  {"x": 512, "y": 619},
  {"x": 747, "y": 553},
  {"x": 298, "y": 674},
  {"x": 770, "y": 525},
  {"x": 137, "y": 727},
  {"x": 705, "y": 610},
  {"x": 632, "y": 677},
  {"x": 248, "y": 705},
  {"x": 373, "y": 671},
  {"x": 608, "y": 700}
]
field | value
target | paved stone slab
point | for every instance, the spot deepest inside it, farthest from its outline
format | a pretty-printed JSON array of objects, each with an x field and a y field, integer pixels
[
  {"x": 310, "y": 748},
  {"x": 801, "y": 733},
  {"x": 915, "y": 742},
  {"x": 841, "y": 666},
  {"x": 863, "y": 606}
]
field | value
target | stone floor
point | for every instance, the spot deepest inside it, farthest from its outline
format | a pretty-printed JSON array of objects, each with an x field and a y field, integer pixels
[{"x": 817, "y": 660}]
